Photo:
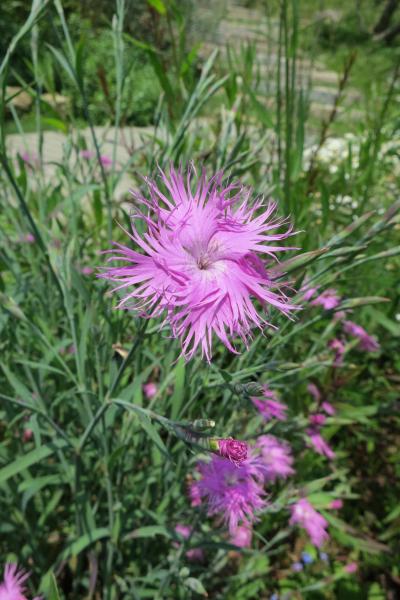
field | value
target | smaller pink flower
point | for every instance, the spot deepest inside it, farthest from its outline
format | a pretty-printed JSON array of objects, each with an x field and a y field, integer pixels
[
  {"x": 351, "y": 567},
  {"x": 27, "y": 435},
  {"x": 319, "y": 444},
  {"x": 329, "y": 299},
  {"x": 150, "y": 389},
  {"x": 314, "y": 391},
  {"x": 194, "y": 554},
  {"x": 269, "y": 406},
  {"x": 87, "y": 154},
  {"x": 305, "y": 515},
  {"x": 271, "y": 458},
  {"x": 234, "y": 450},
  {"x": 87, "y": 270},
  {"x": 194, "y": 494},
  {"x": 336, "y": 504},
  {"x": 339, "y": 315},
  {"x": 234, "y": 494},
  {"x": 338, "y": 347},
  {"x": 270, "y": 409},
  {"x": 328, "y": 408},
  {"x": 308, "y": 292},
  {"x": 27, "y": 238},
  {"x": 367, "y": 342},
  {"x": 317, "y": 419},
  {"x": 242, "y": 536},
  {"x": 30, "y": 159},
  {"x": 106, "y": 161}
]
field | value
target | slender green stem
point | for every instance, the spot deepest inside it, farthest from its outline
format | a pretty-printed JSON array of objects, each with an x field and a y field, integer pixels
[{"x": 136, "y": 344}]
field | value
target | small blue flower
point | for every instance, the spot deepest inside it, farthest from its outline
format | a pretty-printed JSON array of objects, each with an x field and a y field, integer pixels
[
  {"x": 324, "y": 556},
  {"x": 307, "y": 558},
  {"x": 274, "y": 597},
  {"x": 297, "y": 566}
]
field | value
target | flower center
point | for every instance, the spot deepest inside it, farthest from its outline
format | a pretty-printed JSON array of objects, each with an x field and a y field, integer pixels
[{"x": 204, "y": 261}]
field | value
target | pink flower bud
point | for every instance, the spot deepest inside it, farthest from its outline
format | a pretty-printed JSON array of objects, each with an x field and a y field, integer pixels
[
  {"x": 336, "y": 504},
  {"x": 234, "y": 450},
  {"x": 317, "y": 419},
  {"x": 27, "y": 435},
  {"x": 150, "y": 389}
]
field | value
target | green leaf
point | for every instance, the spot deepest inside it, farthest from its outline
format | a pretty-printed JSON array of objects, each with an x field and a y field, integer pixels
[
  {"x": 76, "y": 547},
  {"x": 158, "y": 5},
  {"x": 178, "y": 395},
  {"x": 49, "y": 587},
  {"x": 196, "y": 586},
  {"x": 153, "y": 433},
  {"x": 149, "y": 531},
  {"x": 31, "y": 458},
  {"x": 52, "y": 593}
]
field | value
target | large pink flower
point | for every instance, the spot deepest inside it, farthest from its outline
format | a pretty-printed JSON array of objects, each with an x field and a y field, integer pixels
[
  {"x": 200, "y": 261},
  {"x": 234, "y": 493}
]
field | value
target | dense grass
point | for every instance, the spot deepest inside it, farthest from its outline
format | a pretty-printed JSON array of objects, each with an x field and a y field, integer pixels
[{"x": 93, "y": 472}]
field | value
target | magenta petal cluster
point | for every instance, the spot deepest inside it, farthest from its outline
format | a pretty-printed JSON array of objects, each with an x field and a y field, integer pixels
[
  {"x": 202, "y": 261},
  {"x": 242, "y": 536},
  {"x": 269, "y": 406},
  {"x": 150, "y": 389},
  {"x": 233, "y": 450},
  {"x": 13, "y": 585},
  {"x": 314, "y": 391},
  {"x": 319, "y": 444},
  {"x": 305, "y": 515},
  {"x": 185, "y": 531},
  {"x": 272, "y": 457},
  {"x": 367, "y": 342},
  {"x": 339, "y": 348},
  {"x": 328, "y": 408},
  {"x": 329, "y": 299},
  {"x": 230, "y": 492}
]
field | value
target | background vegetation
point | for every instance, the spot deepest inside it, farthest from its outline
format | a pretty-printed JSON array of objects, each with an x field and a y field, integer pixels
[{"x": 93, "y": 479}]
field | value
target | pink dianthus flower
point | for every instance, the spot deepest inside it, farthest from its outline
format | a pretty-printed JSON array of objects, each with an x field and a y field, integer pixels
[
  {"x": 328, "y": 408},
  {"x": 272, "y": 458},
  {"x": 339, "y": 348},
  {"x": 314, "y": 391},
  {"x": 329, "y": 299},
  {"x": 241, "y": 537},
  {"x": 305, "y": 515},
  {"x": 367, "y": 342},
  {"x": 317, "y": 419},
  {"x": 269, "y": 406},
  {"x": 351, "y": 568},
  {"x": 150, "y": 389},
  {"x": 319, "y": 444},
  {"x": 232, "y": 492},
  {"x": 185, "y": 531},
  {"x": 202, "y": 262},
  {"x": 13, "y": 586}
]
